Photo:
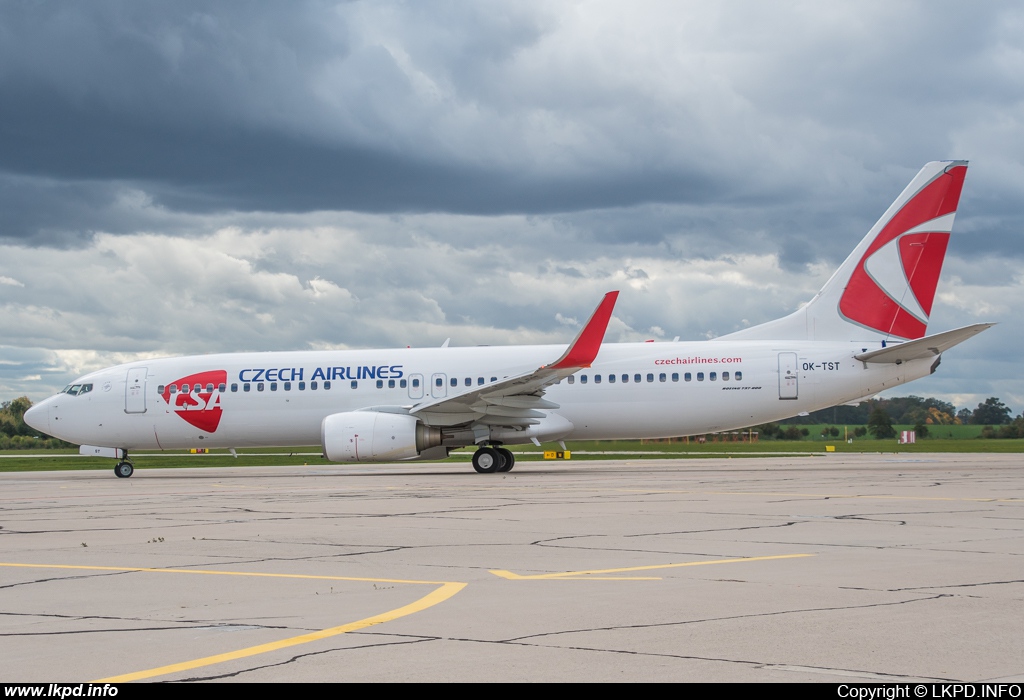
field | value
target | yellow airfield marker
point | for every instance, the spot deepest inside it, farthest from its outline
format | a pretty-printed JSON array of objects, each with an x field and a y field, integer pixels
[{"x": 593, "y": 574}]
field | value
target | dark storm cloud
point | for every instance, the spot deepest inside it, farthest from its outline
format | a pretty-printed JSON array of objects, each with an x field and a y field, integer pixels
[
  {"x": 195, "y": 106},
  {"x": 215, "y": 167},
  {"x": 518, "y": 108}
]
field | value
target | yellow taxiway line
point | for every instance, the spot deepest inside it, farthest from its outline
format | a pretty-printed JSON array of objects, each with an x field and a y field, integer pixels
[
  {"x": 445, "y": 590},
  {"x": 593, "y": 574}
]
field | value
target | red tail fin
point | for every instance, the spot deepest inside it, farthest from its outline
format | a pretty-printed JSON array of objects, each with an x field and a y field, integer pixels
[
  {"x": 886, "y": 287},
  {"x": 892, "y": 288}
]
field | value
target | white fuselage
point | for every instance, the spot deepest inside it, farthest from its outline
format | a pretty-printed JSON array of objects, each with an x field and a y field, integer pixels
[{"x": 659, "y": 390}]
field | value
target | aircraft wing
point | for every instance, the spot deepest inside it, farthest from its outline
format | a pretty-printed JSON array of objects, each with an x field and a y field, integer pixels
[
  {"x": 515, "y": 401},
  {"x": 921, "y": 348}
]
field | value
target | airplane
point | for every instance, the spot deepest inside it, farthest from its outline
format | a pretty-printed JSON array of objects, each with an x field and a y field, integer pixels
[{"x": 864, "y": 332}]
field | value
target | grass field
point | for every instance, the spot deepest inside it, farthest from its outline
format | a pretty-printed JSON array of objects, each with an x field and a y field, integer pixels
[{"x": 964, "y": 440}]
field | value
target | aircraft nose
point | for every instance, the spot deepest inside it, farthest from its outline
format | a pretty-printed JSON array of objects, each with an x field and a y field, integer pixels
[{"x": 38, "y": 417}]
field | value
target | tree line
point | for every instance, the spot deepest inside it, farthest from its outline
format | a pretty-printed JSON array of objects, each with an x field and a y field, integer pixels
[{"x": 878, "y": 417}]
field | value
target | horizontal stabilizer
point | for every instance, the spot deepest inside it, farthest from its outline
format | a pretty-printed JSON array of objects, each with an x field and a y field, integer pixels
[{"x": 923, "y": 348}]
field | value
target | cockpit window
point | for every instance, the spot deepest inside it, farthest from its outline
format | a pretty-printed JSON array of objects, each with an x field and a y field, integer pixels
[{"x": 77, "y": 389}]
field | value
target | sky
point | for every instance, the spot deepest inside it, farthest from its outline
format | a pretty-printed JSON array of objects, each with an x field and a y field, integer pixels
[{"x": 186, "y": 178}]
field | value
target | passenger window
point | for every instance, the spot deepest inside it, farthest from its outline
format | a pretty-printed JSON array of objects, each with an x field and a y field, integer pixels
[
  {"x": 572, "y": 378},
  {"x": 650, "y": 376},
  {"x": 700, "y": 376},
  {"x": 327, "y": 385},
  {"x": 222, "y": 388},
  {"x": 637, "y": 378},
  {"x": 354, "y": 384},
  {"x": 160, "y": 389},
  {"x": 273, "y": 386},
  {"x": 391, "y": 384},
  {"x": 479, "y": 381},
  {"x": 597, "y": 379},
  {"x": 174, "y": 388},
  {"x": 246, "y": 386},
  {"x": 415, "y": 383},
  {"x": 687, "y": 377},
  {"x": 739, "y": 375},
  {"x": 403, "y": 384},
  {"x": 312, "y": 386},
  {"x": 583, "y": 379},
  {"x": 494, "y": 379},
  {"x": 234, "y": 388},
  {"x": 725, "y": 376},
  {"x": 184, "y": 388},
  {"x": 380, "y": 383},
  {"x": 625, "y": 378},
  {"x": 259, "y": 386},
  {"x": 662, "y": 377},
  {"x": 675, "y": 376},
  {"x": 287, "y": 386},
  {"x": 454, "y": 381},
  {"x": 713, "y": 376},
  {"x": 209, "y": 388},
  {"x": 469, "y": 381},
  {"x": 611, "y": 378},
  {"x": 302, "y": 386}
]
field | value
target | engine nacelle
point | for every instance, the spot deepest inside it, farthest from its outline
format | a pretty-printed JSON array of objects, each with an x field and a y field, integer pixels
[{"x": 367, "y": 436}]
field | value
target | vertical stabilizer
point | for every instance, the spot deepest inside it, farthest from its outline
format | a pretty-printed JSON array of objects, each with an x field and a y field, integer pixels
[{"x": 886, "y": 287}]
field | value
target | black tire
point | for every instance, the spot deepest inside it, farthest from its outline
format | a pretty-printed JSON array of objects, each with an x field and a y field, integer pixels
[
  {"x": 510, "y": 459},
  {"x": 124, "y": 470},
  {"x": 487, "y": 460}
]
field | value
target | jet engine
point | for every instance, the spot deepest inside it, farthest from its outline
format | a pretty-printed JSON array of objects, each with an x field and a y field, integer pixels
[{"x": 369, "y": 436}]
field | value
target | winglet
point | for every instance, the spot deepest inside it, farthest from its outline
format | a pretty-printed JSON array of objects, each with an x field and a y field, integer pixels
[{"x": 582, "y": 351}]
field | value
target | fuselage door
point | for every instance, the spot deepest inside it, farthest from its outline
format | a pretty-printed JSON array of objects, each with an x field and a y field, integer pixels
[
  {"x": 788, "y": 389},
  {"x": 415, "y": 386},
  {"x": 135, "y": 391},
  {"x": 438, "y": 385}
]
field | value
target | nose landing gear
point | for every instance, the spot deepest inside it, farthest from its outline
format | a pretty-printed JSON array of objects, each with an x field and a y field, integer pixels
[
  {"x": 488, "y": 460},
  {"x": 124, "y": 468}
]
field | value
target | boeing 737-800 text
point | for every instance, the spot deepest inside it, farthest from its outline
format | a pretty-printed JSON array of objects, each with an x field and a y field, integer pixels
[{"x": 862, "y": 333}]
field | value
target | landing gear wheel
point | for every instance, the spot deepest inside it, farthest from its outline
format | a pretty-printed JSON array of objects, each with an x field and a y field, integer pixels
[
  {"x": 510, "y": 459},
  {"x": 124, "y": 470},
  {"x": 487, "y": 460}
]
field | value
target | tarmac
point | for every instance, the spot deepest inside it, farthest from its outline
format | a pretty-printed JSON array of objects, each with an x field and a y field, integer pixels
[{"x": 828, "y": 568}]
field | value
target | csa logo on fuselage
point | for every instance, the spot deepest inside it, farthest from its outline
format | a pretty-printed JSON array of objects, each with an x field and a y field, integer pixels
[{"x": 197, "y": 398}]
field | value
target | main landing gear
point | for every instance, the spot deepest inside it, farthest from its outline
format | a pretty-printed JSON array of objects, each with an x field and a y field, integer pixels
[
  {"x": 124, "y": 468},
  {"x": 488, "y": 460}
]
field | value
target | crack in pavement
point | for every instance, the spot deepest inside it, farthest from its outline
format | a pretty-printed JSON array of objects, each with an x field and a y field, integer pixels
[
  {"x": 248, "y": 622},
  {"x": 63, "y": 578},
  {"x": 726, "y": 618},
  {"x": 742, "y": 662},
  {"x": 717, "y": 529},
  {"x": 293, "y": 659},
  {"x": 939, "y": 587}
]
